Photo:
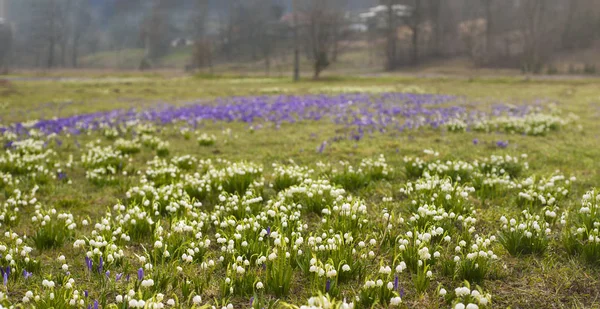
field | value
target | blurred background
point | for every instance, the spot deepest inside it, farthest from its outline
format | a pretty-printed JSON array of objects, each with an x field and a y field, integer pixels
[{"x": 314, "y": 37}]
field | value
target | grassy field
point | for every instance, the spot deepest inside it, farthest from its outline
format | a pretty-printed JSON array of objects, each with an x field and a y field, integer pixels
[{"x": 558, "y": 276}]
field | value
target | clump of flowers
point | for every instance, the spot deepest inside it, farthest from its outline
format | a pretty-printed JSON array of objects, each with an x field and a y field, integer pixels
[
  {"x": 53, "y": 228},
  {"x": 528, "y": 235},
  {"x": 206, "y": 140},
  {"x": 582, "y": 234}
]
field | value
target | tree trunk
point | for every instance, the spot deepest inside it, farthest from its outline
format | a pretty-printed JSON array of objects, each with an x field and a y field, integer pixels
[
  {"x": 334, "y": 52},
  {"x": 317, "y": 72},
  {"x": 437, "y": 35},
  {"x": 415, "y": 32},
  {"x": 566, "y": 42},
  {"x": 50, "y": 62},
  {"x": 296, "y": 43},
  {"x": 75, "y": 51},
  {"x": 415, "y": 46},
  {"x": 488, "y": 27},
  {"x": 63, "y": 53},
  {"x": 267, "y": 64},
  {"x": 391, "y": 48}
]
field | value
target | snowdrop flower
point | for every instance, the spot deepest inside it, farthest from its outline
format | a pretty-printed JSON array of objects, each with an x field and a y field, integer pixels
[
  {"x": 395, "y": 301},
  {"x": 148, "y": 283},
  {"x": 197, "y": 299}
]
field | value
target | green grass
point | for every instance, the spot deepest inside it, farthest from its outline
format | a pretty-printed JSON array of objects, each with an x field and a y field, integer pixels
[{"x": 552, "y": 280}]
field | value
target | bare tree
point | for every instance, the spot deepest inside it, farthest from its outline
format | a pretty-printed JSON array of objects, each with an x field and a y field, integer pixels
[
  {"x": 155, "y": 32},
  {"x": 202, "y": 55},
  {"x": 81, "y": 22},
  {"x": 533, "y": 19},
  {"x": 47, "y": 24},
  {"x": 391, "y": 34},
  {"x": 487, "y": 4},
  {"x": 268, "y": 31},
  {"x": 414, "y": 23},
  {"x": 323, "y": 20},
  {"x": 296, "y": 41},
  {"x": 434, "y": 16}
]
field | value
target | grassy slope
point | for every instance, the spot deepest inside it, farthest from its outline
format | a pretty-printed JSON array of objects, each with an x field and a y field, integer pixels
[{"x": 530, "y": 282}]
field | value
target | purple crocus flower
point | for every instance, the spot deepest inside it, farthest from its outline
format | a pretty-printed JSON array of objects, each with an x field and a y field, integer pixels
[
  {"x": 5, "y": 278},
  {"x": 327, "y": 285},
  {"x": 251, "y": 301},
  {"x": 502, "y": 144},
  {"x": 62, "y": 175},
  {"x": 107, "y": 274},
  {"x": 475, "y": 141},
  {"x": 396, "y": 283},
  {"x": 140, "y": 274},
  {"x": 128, "y": 277},
  {"x": 101, "y": 265},
  {"x": 268, "y": 230},
  {"x": 118, "y": 277},
  {"x": 95, "y": 304},
  {"x": 85, "y": 293},
  {"x": 26, "y": 274},
  {"x": 321, "y": 148},
  {"x": 88, "y": 263},
  {"x": 401, "y": 292}
]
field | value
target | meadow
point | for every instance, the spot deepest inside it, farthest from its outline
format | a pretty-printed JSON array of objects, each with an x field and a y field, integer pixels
[{"x": 154, "y": 191}]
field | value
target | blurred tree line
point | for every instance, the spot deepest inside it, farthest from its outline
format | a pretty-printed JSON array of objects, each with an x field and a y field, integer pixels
[{"x": 523, "y": 34}]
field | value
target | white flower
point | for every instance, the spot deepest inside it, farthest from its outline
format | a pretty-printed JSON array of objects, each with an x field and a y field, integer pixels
[
  {"x": 259, "y": 285},
  {"x": 443, "y": 292},
  {"x": 147, "y": 283},
  {"x": 395, "y": 301},
  {"x": 472, "y": 306},
  {"x": 459, "y": 306},
  {"x": 119, "y": 299},
  {"x": 462, "y": 291},
  {"x": 346, "y": 267},
  {"x": 401, "y": 267},
  {"x": 171, "y": 302},
  {"x": 197, "y": 299},
  {"x": 240, "y": 270}
]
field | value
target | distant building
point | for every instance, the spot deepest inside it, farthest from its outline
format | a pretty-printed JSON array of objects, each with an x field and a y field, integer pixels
[
  {"x": 377, "y": 17},
  {"x": 181, "y": 42},
  {"x": 358, "y": 27}
]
